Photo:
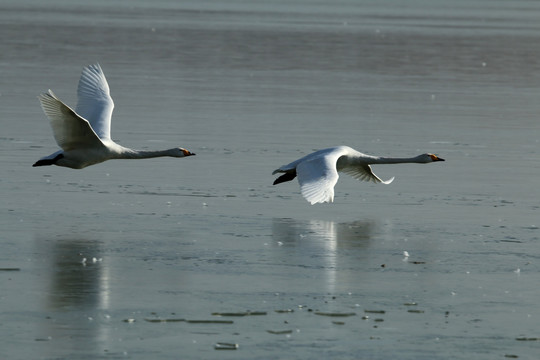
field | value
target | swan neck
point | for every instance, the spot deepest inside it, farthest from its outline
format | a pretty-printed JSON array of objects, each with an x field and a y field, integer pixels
[
  {"x": 143, "y": 154},
  {"x": 390, "y": 160}
]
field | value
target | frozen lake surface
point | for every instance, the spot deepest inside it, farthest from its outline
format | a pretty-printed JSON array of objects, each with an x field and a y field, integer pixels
[{"x": 167, "y": 258}]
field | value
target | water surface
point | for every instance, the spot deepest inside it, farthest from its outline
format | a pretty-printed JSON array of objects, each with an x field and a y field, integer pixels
[{"x": 94, "y": 254}]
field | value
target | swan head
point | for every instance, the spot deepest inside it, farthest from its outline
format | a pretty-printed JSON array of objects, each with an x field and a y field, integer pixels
[
  {"x": 181, "y": 152},
  {"x": 427, "y": 158}
]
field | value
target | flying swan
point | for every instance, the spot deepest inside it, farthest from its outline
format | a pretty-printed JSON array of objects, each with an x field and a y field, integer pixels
[
  {"x": 84, "y": 134},
  {"x": 318, "y": 172}
]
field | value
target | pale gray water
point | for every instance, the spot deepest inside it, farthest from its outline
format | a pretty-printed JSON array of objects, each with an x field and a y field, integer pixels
[{"x": 249, "y": 87}]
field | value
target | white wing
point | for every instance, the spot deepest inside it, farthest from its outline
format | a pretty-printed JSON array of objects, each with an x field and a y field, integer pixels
[
  {"x": 70, "y": 130},
  {"x": 317, "y": 178},
  {"x": 363, "y": 172},
  {"x": 94, "y": 100}
]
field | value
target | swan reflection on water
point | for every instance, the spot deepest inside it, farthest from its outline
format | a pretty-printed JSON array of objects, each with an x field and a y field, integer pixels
[
  {"x": 77, "y": 291},
  {"x": 322, "y": 244},
  {"x": 77, "y": 277},
  {"x": 333, "y": 234}
]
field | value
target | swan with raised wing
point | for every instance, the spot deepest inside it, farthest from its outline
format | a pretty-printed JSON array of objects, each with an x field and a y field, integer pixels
[
  {"x": 318, "y": 172},
  {"x": 84, "y": 134}
]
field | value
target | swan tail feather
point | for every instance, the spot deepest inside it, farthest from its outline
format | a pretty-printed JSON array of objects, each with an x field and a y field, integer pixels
[
  {"x": 48, "y": 161},
  {"x": 284, "y": 178}
]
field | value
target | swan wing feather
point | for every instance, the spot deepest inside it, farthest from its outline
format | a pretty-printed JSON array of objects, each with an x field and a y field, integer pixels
[
  {"x": 317, "y": 178},
  {"x": 364, "y": 172},
  {"x": 70, "y": 130},
  {"x": 94, "y": 100}
]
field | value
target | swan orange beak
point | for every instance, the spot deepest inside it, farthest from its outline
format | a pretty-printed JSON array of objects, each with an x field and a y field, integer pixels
[
  {"x": 187, "y": 152},
  {"x": 436, "y": 158}
]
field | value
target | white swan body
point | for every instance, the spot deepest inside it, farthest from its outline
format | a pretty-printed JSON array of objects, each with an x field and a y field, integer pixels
[
  {"x": 84, "y": 134},
  {"x": 318, "y": 172}
]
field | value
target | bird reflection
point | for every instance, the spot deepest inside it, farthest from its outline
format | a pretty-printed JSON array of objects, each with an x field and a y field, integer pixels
[
  {"x": 347, "y": 234},
  {"x": 77, "y": 277},
  {"x": 77, "y": 290},
  {"x": 317, "y": 243}
]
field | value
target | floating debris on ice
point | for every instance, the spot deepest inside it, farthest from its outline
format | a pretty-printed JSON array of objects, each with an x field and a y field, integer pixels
[
  {"x": 410, "y": 304},
  {"x": 163, "y": 320},
  {"x": 335, "y": 314},
  {"x": 210, "y": 321},
  {"x": 279, "y": 332},
  {"x": 528, "y": 339},
  {"x": 244, "y": 313},
  {"x": 282, "y": 311},
  {"x": 225, "y": 346},
  {"x": 374, "y": 311},
  {"x": 48, "y": 338}
]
